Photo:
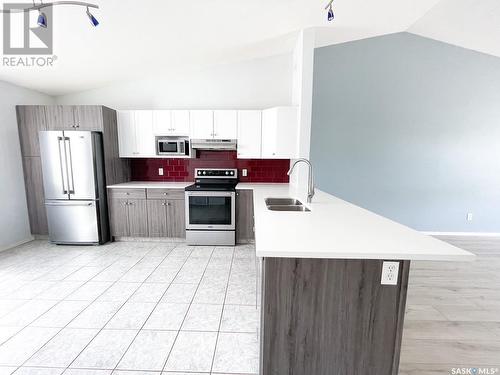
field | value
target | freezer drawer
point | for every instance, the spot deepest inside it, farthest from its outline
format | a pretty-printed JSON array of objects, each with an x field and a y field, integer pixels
[{"x": 73, "y": 222}]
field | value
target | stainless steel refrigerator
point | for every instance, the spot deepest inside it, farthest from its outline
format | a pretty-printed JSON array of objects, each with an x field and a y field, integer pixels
[{"x": 74, "y": 184}]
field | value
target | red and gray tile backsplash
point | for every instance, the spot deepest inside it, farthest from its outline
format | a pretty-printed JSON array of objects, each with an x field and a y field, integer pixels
[{"x": 259, "y": 170}]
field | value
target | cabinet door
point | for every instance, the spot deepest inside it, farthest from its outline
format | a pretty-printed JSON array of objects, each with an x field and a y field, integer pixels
[
  {"x": 126, "y": 134},
  {"x": 176, "y": 218},
  {"x": 33, "y": 181},
  {"x": 137, "y": 217},
  {"x": 244, "y": 216},
  {"x": 118, "y": 217},
  {"x": 280, "y": 133},
  {"x": 157, "y": 218},
  {"x": 180, "y": 122},
  {"x": 225, "y": 124},
  {"x": 89, "y": 117},
  {"x": 60, "y": 117},
  {"x": 145, "y": 140},
  {"x": 269, "y": 134},
  {"x": 30, "y": 119},
  {"x": 249, "y": 134},
  {"x": 202, "y": 124},
  {"x": 162, "y": 122}
]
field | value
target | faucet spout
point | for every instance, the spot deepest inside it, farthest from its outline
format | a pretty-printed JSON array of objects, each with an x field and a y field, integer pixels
[{"x": 310, "y": 185}]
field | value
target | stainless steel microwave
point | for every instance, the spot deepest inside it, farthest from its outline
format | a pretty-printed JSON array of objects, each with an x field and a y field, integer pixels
[{"x": 173, "y": 146}]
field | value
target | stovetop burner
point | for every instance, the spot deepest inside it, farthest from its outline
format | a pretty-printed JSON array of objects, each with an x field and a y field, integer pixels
[{"x": 214, "y": 179}]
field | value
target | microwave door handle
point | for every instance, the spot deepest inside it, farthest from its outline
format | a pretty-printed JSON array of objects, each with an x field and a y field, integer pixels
[{"x": 71, "y": 180}]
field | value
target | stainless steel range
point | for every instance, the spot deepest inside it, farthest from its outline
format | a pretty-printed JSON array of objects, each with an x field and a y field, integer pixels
[{"x": 211, "y": 206}]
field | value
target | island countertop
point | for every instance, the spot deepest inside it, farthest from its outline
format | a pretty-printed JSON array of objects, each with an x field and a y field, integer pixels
[{"x": 336, "y": 229}]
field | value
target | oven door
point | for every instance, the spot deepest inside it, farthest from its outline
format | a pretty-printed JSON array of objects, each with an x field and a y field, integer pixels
[{"x": 210, "y": 210}]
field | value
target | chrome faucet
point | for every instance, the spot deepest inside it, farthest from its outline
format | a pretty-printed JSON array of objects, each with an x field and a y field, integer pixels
[{"x": 310, "y": 187}]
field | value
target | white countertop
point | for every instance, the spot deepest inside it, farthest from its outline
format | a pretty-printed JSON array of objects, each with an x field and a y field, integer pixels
[
  {"x": 150, "y": 185},
  {"x": 339, "y": 230}
]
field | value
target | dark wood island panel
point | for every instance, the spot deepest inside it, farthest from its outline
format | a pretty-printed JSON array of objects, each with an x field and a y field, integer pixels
[{"x": 330, "y": 317}]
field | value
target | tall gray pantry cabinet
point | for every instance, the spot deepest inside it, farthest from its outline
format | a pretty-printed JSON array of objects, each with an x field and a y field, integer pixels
[{"x": 33, "y": 118}]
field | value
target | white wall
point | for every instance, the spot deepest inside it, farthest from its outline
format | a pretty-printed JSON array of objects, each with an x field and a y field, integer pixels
[
  {"x": 250, "y": 84},
  {"x": 14, "y": 225},
  {"x": 302, "y": 88}
]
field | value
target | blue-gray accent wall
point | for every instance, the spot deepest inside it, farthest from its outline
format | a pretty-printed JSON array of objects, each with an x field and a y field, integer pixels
[{"x": 409, "y": 128}]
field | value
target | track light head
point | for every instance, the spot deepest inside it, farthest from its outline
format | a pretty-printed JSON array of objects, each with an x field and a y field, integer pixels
[
  {"x": 331, "y": 16},
  {"x": 92, "y": 19},
  {"x": 42, "y": 19}
]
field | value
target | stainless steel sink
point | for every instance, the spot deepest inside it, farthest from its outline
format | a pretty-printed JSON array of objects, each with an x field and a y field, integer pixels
[
  {"x": 283, "y": 202},
  {"x": 296, "y": 208}
]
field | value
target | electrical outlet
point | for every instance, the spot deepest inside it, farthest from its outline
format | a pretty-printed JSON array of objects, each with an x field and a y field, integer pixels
[
  {"x": 469, "y": 216},
  {"x": 244, "y": 172},
  {"x": 160, "y": 171},
  {"x": 390, "y": 272}
]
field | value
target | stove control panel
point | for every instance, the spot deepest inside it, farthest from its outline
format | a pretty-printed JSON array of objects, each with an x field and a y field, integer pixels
[{"x": 216, "y": 173}]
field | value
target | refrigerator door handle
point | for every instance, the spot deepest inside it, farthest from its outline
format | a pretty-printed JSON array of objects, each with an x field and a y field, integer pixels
[
  {"x": 85, "y": 204},
  {"x": 62, "y": 165},
  {"x": 71, "y": 181}
]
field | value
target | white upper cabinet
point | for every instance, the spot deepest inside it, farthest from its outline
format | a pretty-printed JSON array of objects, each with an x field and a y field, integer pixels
[
  {"x": 202, "y": 124},
  {"x": 135, "y": 134},
  {"x": 145, "y": 140},
  {"x": 173, "y": 123},
  {"x": 249, "y": 134},
  {"x": 126, "y": 134},
  {"x": 162, "y": 122},
  {"x": 180, "y": 122},
  {"x": 225, "y": 124},
  {"x": 280, "y": 128}
]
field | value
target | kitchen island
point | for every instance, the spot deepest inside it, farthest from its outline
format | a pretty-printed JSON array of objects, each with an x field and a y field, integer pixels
[{"x": 324, "y": 310}]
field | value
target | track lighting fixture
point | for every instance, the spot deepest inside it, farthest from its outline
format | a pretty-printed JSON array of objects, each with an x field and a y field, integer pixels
[
  {"x": 92, "y": 19},
  {"x": 331, "y": 15},
  {"x": 42, "y": 17}
]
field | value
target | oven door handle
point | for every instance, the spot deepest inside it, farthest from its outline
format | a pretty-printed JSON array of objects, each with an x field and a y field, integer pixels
[{"x": 210, "y": 193}]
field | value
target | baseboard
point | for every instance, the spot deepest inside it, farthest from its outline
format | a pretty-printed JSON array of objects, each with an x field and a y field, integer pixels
[
  {"x": 463, "y": 234},
  {"x": 149, "y": 239},
  {"x": 29, "y": 239}
]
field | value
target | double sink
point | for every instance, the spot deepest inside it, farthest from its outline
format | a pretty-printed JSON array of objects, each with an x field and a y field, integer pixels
[{"x": 285, "y": 204}]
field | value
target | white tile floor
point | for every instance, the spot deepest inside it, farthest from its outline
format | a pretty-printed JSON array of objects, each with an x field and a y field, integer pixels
[{"x": 128, "y": 308}]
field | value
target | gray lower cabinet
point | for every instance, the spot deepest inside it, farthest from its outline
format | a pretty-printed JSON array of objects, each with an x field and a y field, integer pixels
[
  {"x": 166, "y": 218},
  {"x": 176, "y": 218},
  {"x": 118, "y": 216},
  {"x": 157, "y": 218},
  {"x": 244, "y": 216},
  {"x": 128, "y": 217},
  {"x": 137, "y": 218},
  {"x": 133, "y": 214}
]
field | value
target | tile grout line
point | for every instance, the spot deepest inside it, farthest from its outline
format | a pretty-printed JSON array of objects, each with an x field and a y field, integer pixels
[
  {"x": 121, "y": 306},
  {"x": 91, "y": 302},
  {"x": 223, "y": 308},
  {"x": 156, "y": 305},
  {"x": 187, "y": 311},
  {"x": 54, "y": 305}
]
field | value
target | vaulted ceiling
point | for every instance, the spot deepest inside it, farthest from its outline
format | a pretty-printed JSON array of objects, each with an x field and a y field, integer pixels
[{"x": 141, "y": 38}]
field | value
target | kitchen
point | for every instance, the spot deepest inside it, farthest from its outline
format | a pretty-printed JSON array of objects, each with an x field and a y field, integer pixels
[{"x": 263, "y": 215}]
